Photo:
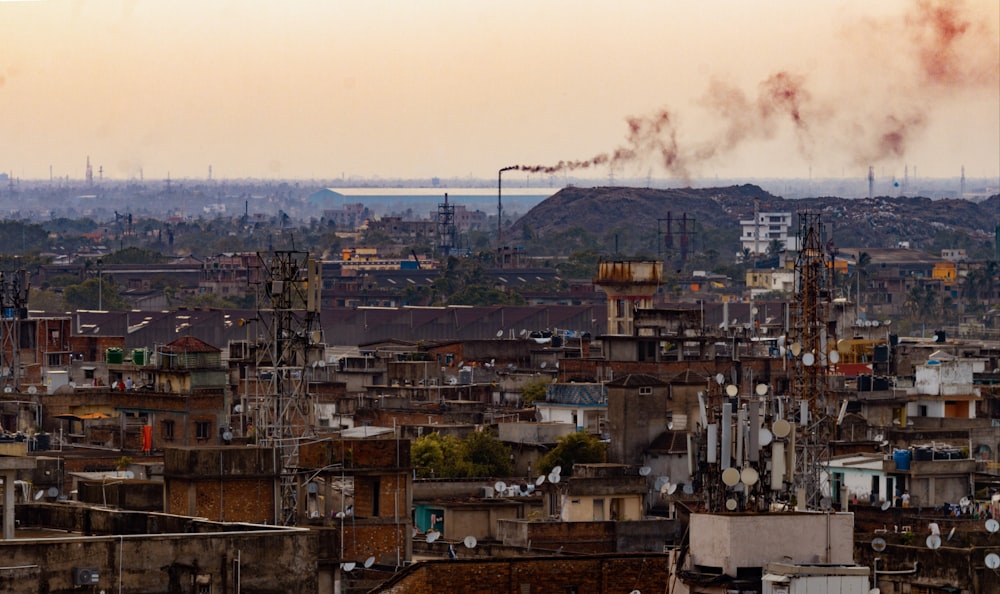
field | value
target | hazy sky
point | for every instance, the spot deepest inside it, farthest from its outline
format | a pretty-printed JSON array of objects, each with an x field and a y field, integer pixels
[{"x": 324, "y": 88}]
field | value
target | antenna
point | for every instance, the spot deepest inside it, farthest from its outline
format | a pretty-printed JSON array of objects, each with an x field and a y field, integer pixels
[
  {"x": 645, "y": 470},
  {"x": 499, "y": 333},
  {"x": 540, "y": 480},
  {"x": 992, "y": 525},
  {"x": 886, "y": 505},
  {"x": 878, "y": 544},
  {"x": 500, "y": 486},
  {"x": 349, "y": 566},
  {"x": 470, "y": 542},
  {"x": 934, "y": 541},
  {"x": 992, "y": 560},
  {"x": 369, "y": 561}
]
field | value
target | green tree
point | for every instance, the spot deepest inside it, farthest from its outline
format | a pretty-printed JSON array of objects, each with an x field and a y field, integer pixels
[
  {"x": 435, "y": 455},
  {"x": 45, "y": 300},
  {"x": 574, "y": 448},
  {"x": 134, "y": 255},
  {"x": 484, "y": 455},
  {"x": 534, "y": 391},
  {"x": 85, "y": 295}
]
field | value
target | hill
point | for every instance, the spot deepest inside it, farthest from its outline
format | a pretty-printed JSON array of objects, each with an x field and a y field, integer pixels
[{"x": 604, "y": 217}]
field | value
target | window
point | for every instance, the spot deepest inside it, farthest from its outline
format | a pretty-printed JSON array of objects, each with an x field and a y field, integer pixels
[
  {"x": 53, "y": 360},
  {"x": 168, "y": 430},
  {"x": 203, "y": 429},
  {"x": 646, "y": 391}
]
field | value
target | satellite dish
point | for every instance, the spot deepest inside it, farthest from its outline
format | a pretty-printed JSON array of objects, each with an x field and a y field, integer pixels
[
  {"x": 470, "y": 542},
  {"x": 671, "y": 488},
  {"x": 887, "y": 322},
  {"x": 32, "y": 390},
  {"x": 53, "y": 491},
  {"x": 883, "y": 443},
  {"x": 781, "y": 340},
  {"x": 349, "y": 566},
  {"x": 661, "y": 482},
  {"x": 761, "y": 389},
  {"x": 886, "y": 505},
  {"x": 754, "y": 310},
  {"x": 964, "y": 502},
  {"x": 557, "y": 470},
  {"x": 878, "y": 544},
  {"x": 796, "y": 348},
  {"x": 834, "y": 356},
  {"x": 554, "y": 478},
  {"x": 500, "y": 486},
  {"x": 935, "y": 529},
  {"x": 934, "y": 541},
  {"x": 522, "y": 332},
  {"x": 544, "y": 363},
  {"x": 129, "y": 474},
  {"x": 369, "y": 561},
  {"x": 540, "y": 480},
  {"x": 731, "y": 476},
  {"x": 227, "y": 435},
  {"x": 875, "y": 323},
  {"x": 781, "y": 428},
  {"x": 432, "y": 536},
  {"x": 749, "y": 476},
  {"x": 992, "y": 560},
  {"x": 765, "y": 437},
  {"x": 808, "y": 359},
  {"x": 732, "y": 390},
  {"x": 39, "y": 494},
  {"x": 879, "y": 437},
  {"x": 952, "y": 533},
  {"x": 688, "y": 489},
  {"x": 992, "y": 525},
  {"x": 731, "y": 504},
  {"x": 645, "y": 470},
  {"x": 720, "y": 379},
  {"x": 341, "y": 515},
  {"x": 868, "y": 323},
  {"x": 499, "y": 333},
  {"x": 825, "y": 503}
]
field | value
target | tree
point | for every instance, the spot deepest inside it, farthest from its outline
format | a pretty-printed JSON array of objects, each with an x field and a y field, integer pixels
[
  {"x": 484, "y": 455},
  {"x": 134, "y": 255},
  {"x": 435, "y": 455},
  {"x": 574, "y": 448},
  {"x": 85, "y": 295},
  {"x": 534, "y": 391}
]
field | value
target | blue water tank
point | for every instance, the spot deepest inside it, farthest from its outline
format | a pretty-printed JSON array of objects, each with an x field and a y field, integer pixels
[{"x": 902, "y": 459}]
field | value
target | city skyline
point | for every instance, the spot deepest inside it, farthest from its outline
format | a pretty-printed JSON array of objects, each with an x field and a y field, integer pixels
[{"x": 451, "y": 89}]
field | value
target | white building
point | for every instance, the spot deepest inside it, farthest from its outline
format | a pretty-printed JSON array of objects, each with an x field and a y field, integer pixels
[{"x": 758, "y": 233}]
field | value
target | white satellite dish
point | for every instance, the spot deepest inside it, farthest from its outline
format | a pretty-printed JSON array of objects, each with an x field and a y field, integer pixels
[
  {"x": 887, "y": 323},
  {"x": 432, "y": 536},
  {"x": 720, "y": 379},
  {"x": 749, "y": 476},
  {"x": 732, "y": 390},
  {"x": 554, "y": 478},
  {"x": 875, "y": 323},
  {"x": 661, "y": 482},
  {"x": 500, "y": 486},
  {"x": 886, "y": 505},
  {"x": 992, "y": 525},
  {"x": 796, "y": 348},
  {"x": 341, "y": 515},
  {"x": 499, "y": 333},
  {"x": 879, "y": 437},
  {"x": 992, "y": 560},
  {"x": 952, "y": 533},
  {"x": 934, "y": 541},
  {"x": 32, "y": 390},
  {"x": 834, "y": 356},
  {"x": 878, "y": 544},
  {"x": 39, "y": 494},
  {"x": 781, "y": 428},
  {"x": 671, "y": 488},
  {"x": 731, "y": 476},
  {"x": 935, "y": 529},
  {"x": 544, "y": 363},
  {"x": 868, "y": 323},
  {"x": 765, "y": 436},
  {"x": 129, "y": 474},
  {"x": 645, "y": 470},
  {"x": 349, "y": 566},
  {"x": 540, "y": 480},
  {"x": 808, "y": 359},
  {"x": 470, "y": 542},
  {"x": 761, "y": 389},
  {"x": 557, "y": 470},
  {"x": 369, "y": 561},
  {"x": 731, "y": 504}
]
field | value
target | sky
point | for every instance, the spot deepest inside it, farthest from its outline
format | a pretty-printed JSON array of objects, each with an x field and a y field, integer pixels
[{"x": 384, "y": 89}]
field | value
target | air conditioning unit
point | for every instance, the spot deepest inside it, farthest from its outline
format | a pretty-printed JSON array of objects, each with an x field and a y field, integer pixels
[{"x": 86, "y": 576}]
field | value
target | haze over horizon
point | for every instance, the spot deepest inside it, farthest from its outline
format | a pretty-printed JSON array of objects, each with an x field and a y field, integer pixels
[{"x": 323, "y": 90}]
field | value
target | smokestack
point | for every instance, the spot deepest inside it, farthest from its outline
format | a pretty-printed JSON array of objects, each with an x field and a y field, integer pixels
[
  {"x": 962, "y": 187},
  {"x": 871, "y": 182}
]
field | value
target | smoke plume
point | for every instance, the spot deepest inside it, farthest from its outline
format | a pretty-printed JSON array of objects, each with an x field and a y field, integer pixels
[{"x": 940, "y": 48}]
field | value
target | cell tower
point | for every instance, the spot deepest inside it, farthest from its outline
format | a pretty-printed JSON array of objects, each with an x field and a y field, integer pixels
[
  {"x": 810, "y": 339},
  {"x": 446, "y": 226},
  {"x": 288, "y": 296},
  {"x": 13, "y": 308}
]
